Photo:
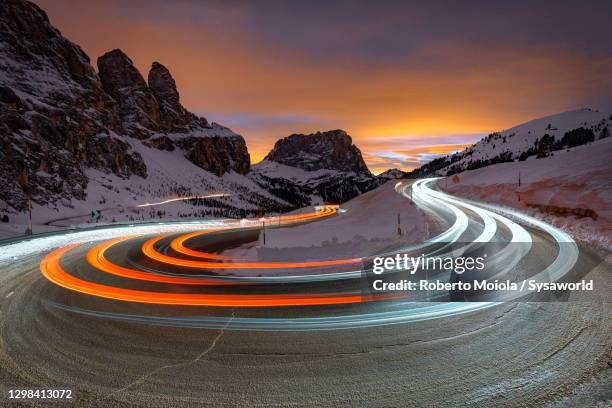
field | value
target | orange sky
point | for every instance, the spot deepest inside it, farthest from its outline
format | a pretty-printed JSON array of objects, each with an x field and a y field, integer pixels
[{"x": 405, "y": 83}]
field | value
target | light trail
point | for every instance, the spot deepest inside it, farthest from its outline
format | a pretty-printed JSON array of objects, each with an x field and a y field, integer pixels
[
  {"x": 417, "y": 313},
  {"x": 148, "y": 249},
  {"x": 171, "y": 200},
  {"x": 50, "y": 267},
  {"x": 96, "y": 258},
  {"x": 422, "y": 197},
  {"x": 567, "y": 255},
  {"x": 490, "y": 227},
  {"x": 519, "y": 245},
  {"x": 563, "y": 263},
  {"x": 427, "y": 198},
  {"x": 178, "y": 244}
]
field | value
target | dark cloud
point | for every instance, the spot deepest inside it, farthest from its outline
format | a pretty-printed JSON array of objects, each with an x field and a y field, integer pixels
[{"x": 396, "y": 75}]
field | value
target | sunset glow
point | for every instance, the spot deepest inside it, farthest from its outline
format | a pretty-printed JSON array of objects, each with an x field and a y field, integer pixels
[{"x": 406, "y": 84}]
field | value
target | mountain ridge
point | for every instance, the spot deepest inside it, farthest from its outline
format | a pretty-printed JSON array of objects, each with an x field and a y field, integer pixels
[
  {"x": 70, "y": 136},
  {"x": 321, "y": 167},
  {"x": 59, "y": 119},
  {"x": 535, "y": 138}
]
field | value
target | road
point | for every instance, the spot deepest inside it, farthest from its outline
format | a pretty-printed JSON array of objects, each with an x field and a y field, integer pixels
[{"x": 157, "y": 316}]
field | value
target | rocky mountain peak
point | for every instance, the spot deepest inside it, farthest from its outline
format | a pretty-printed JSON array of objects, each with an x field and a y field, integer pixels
[
  {"x": 330, "y": 150},
  {"x": 38, "y": 61},
  {"x": 163, "y": 86},
  {"x": 54, "y": 115},
  {"x": 162, "y": 83},
  {"x": 59, "y": 118},
  {"x": 138, "y": 107},
  {"x": 393, "y": 174},
  {"x": 327, "y": 167},
  {"x": 117, "y": 71}
]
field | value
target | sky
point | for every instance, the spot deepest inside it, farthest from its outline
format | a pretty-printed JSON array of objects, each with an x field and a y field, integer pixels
[{"x": 407, "y": 80}]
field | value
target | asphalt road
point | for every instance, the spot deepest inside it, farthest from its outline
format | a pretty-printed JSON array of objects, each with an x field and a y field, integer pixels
[{"x": 520, "y": 352}]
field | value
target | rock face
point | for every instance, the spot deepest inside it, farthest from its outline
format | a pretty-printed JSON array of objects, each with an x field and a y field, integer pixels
[
  {"x": 331, "y": 150},
  {"x": 316, "y": 168},
  {"x": 54, "y": 114},
  {"x": 173, "y": 114},
  {"x": 150, "y": 109},
  {"x": 138, "y": 107},
  {"x": 58, "y": 118},
  {"x": 218, "y": 154}
]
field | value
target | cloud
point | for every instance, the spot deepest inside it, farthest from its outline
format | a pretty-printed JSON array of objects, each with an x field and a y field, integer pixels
[
  {"x": 380, "y": 71},
  {"x": 408, "y": 159},
  {"x": 409, "y": 152}
]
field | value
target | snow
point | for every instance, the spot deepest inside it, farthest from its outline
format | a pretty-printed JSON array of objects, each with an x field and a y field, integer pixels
[
  {"x": 392, "y": 174},
  {"x": 576, "y": 179},
  {"x": 520, "y": 138},
  {"x": 16, "y": 250},
  {"x": 214, "y": 130},
  {"x": 372, "y": 215},
  {"x": 365, "y": 224},
  {"x": 273, "y": 170},
  {"x": 168, "y": 174}
]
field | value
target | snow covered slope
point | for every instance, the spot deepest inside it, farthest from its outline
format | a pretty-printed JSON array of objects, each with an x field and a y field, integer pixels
[
  {"x": 367, "y": 223},
  {"x": 392, "y": 174},
  {"x": 303, "y": 188},
  {"x": 74, "y": 140},
  {"x": 539, "y": 137},
  {"x": 170, "y": 175},
  {"x": 571, "y": 189}
]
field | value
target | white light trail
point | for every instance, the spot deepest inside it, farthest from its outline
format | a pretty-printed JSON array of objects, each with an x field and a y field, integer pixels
[{"x": 171, "y": 200}]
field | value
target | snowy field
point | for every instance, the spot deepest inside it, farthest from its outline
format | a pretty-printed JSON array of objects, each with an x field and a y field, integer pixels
[
  {"x": 170, "y": 175},
  {"x": 519, "y": 139},
  {"x": 552, "y": 188},
  {"x": 364, "y": 224}
]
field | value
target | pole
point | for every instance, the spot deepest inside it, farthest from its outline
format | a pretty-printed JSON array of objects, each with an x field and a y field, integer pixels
[
  {"x": 264, "y": 231},
  {"x": 519, "y": 184},
  {"x": 399, "y": 225},
  {"x": 29, "y": 230},
  {"x": 25, "y": 186}
]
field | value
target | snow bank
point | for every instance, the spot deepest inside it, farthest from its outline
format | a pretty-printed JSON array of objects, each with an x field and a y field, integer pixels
[
  {"x": 365, "y": 223},
  {"x": 551, "y": 188}
]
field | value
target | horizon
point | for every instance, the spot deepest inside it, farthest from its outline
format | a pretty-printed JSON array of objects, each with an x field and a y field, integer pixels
[{"x": 408, "y": 86}]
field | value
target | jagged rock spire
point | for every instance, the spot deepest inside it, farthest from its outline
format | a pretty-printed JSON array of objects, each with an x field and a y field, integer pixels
[
  {"x": 137, "y": 104},
  {"x": 163, "y": 86}
]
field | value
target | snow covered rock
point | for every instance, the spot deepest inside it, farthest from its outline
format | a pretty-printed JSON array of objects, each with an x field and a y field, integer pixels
[
  {"x": 154, "y": 108},
  {"x": 535, "y": 139},
  {"x": 392, "y": 174},
  {"x": 59, "y": 118},
  {"x": 54, "y": 115},
  {"x": 310, "y": 169}
]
